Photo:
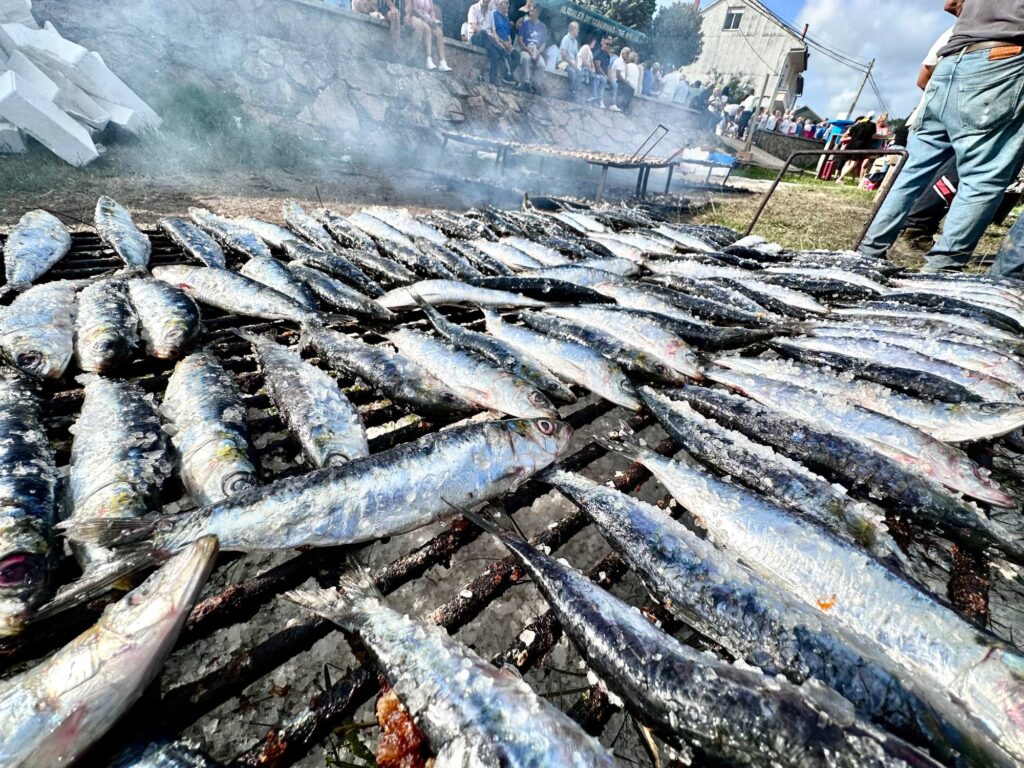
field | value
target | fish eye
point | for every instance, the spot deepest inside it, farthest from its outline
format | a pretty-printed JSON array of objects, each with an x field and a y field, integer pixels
[
  {"x": 536, "y": 397},
  {"x": 546, "y": 427},
  {"x": 448, "y": 397},
  {"x": 989, "y": 407},
  {"x": 19, "y": 570},
  {"x": 29, "y": 360},
  {"x": 237, "y": 481}
]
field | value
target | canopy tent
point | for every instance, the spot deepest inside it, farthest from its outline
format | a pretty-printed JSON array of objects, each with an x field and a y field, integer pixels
[{"x": 593, "y": 19}]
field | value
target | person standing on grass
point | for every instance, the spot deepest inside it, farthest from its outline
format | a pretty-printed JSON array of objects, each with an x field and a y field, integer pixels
[{"x": 974, "y": 111}]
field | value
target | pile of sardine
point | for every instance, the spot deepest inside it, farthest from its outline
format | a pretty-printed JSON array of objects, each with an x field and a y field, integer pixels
[{"x": 815, "y": 398}]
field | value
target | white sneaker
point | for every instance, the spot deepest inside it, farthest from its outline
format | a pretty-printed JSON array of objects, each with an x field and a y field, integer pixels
[
  {"x": 443, "y": 66},
  {"x": 614, "y": 108},
  {"x": 430, "y": 63}
]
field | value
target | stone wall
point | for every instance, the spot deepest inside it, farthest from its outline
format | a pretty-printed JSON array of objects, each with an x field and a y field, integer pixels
[
  {"x": 783, "y": 146},
  {"x": 328, "y": 74}
]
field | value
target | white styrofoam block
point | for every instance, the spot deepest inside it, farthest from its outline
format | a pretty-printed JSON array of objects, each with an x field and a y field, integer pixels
[
  {"x": 39, "y": 80},
  {"x": 17, "y": 12},
  {"x": 44, "y": 121},
  {"x": 74, "y": 100},
  {"x": 75, "y": 62},
  {"x": 124, "y": 118},
  {"x": 11, "y": 140}
]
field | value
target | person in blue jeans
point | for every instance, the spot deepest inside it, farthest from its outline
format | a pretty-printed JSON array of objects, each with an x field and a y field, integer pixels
[
  {"x": 973, "y": 111},
  {"x": 1010, "y": 259},
  {"x": 495, "y": 37}
]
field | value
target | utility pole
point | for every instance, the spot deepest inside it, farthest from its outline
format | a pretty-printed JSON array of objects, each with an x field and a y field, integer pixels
[{"x": 871, "y": 65}]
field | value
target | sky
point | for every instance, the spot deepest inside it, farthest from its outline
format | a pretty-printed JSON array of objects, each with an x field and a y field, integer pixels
[{"x": 897, "y": 33}]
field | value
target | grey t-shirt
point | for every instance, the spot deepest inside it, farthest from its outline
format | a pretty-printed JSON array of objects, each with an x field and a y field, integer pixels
[{"x": 984, "y": 20}]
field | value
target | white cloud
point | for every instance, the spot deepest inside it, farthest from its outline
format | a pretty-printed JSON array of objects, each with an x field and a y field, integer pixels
[{"x": 897, "y": 33}]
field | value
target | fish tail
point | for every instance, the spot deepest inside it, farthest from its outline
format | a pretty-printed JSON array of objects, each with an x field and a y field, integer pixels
[
  {"x": 322, "y": 319},
  {"x": 625, "y": 442},
  {"x": 249, "y": 336},
  {"x": 497, "y": 523},
  {"x": 95, "y": 582},
  {"x": 341, "y": 604}
]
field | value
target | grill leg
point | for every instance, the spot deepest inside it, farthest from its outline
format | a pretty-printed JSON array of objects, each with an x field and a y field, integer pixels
[
  {"x": 600, "y": 186},
  {"x": 668, "y": 181}
]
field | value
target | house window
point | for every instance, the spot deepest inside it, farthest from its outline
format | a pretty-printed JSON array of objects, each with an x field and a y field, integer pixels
[{"x": 732, "y": 18}]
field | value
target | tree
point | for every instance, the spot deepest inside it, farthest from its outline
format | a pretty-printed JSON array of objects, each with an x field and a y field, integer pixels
[
  {"x": 675, "y": 34},
  {"x": 636, "y": 14}
]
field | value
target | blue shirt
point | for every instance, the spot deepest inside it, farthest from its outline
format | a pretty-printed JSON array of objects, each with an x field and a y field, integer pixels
[
  {"x": 501, "y": 25},
  {"x": 648, "y": 82},
  {"x": 533, "y": 33}
]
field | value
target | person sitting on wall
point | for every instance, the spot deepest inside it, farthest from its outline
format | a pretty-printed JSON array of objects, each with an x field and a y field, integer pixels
[
  {"x": 602, "y": 68},
  {"x": 684, "y": 90},
  {"x": 585, "y": 67},
  {"x": 568, "y": 50},
  {"x": 422, "y": 17},
  {"x": 652, "y": 80},
  {"x": 495, "y": 37},
  {"x": 634, "y": 73},
  {"x": 382, "y": 9},
  {"x": 617, "y": 80},
  {"x": 533, "y": 35}
]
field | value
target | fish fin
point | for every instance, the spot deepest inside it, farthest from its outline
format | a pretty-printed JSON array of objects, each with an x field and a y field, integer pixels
[
  {"x": 95, "y": 582},
  {"x": 324, "y": 318},
  {"x": 248, "y": 336},
  {"x": 337, "y": 604},
  {"x": 116, "y": 533},
  {"x": 432, "y": 314},
  {"x": 495, "y": 522}
]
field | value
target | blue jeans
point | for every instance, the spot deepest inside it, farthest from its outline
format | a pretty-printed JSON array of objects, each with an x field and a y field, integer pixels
[
  {"x": 974, "y": 111},
  {"x": 1010, "y": 259},
  {"x": 572, "y": 76},
  {"x": 598, "y": 83},
  {"x": 497, "y": 55}
]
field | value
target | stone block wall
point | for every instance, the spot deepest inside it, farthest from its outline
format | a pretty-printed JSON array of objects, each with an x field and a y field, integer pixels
[
  {"x": 783, "y": 146},
  {"x": 328, "y": 74}
]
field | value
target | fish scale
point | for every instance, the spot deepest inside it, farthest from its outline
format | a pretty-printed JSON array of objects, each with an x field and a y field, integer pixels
[
  {"x": 37, "y": 242},
  {"x": 37, "y": 329},
  {"x": 115, "y": 226},
  {"x": 106, "y": 326}
]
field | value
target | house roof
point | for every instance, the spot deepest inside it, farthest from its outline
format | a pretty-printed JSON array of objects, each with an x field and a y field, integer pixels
[{"x": 758, "y": 8}]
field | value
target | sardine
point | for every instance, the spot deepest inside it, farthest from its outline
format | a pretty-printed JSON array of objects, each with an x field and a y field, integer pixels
[
  {"x": 880, "y": 353},
  {"x": 337, "y": 294},
  {"x": 755, "y": 620},
  {"x": 106, "y": 326},
  {"x": 28, "y": 486},
  {"x": 571, "y": 361},
  {"x": 864, "y": 470},
  {"x": 950, "y": 423},
  {"x": 164, "y": 754},
  {"x": 117, "y": 229},
  {"x": 687, "y": 241},
  {"x": 456, "y": 226},
  {"x": 37, "y": 329},
  {"x": 193, "y": 241},
  {"x": 380, "y": 231},
  {"x": 474, "y": 378},
  {"x": 548, "y": 257},
  {"x": 910, "y": 316},
  {"x": 543, "y": 289},
  {"x": 120, "y": 458},
  {"x": 452, "y": 259},
  {"x": 324, "y": 422},
  {"x": 960, "y": 306},
  {"x": 913, "y": 628},
  {"x": 234, "y": 293},
  {"x": 640, "y": 330},
  {"x": 229, "y": 234},
  {"x": 415, "y": 258},
  {"x": 169, "y": 319},
  {"x": 309, "y": 228},
  {"x": 577, "y": 274},
  {"x": 511, "y": 257},
  {"x": 273, "y": 235},
  {"x": 710, "y": 290},
  {"x": 579, "y": 223},
  {"x": 900, "y": 442},
  {"x": 208, "y": 429},
  {"x": 406, "y": 223},
  {"x": 974, "y": 356},
  {"x": 393, "y": 374},
  {"x": 273, "y": 274},
  {"x": 626, "y": 355},
  {"x": 776, "y": 477},
  {"x": 500, "y": 353},
  {"x": 407, "y": 487},
  {"x": 334, "y": 263},
  {"x": 621, "y": 267},
  {"x": 37, "y": 242},
  {"x": 342, "y": 230},
  {"x": 453, "y": 292},
  {"x": 705, "y": 308},
  {"x": 472, "y": 713},
  {"x": 485, "y": 263},
  {"x": 52, "y": 713},
  {"x": 693, "y": 700}
]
